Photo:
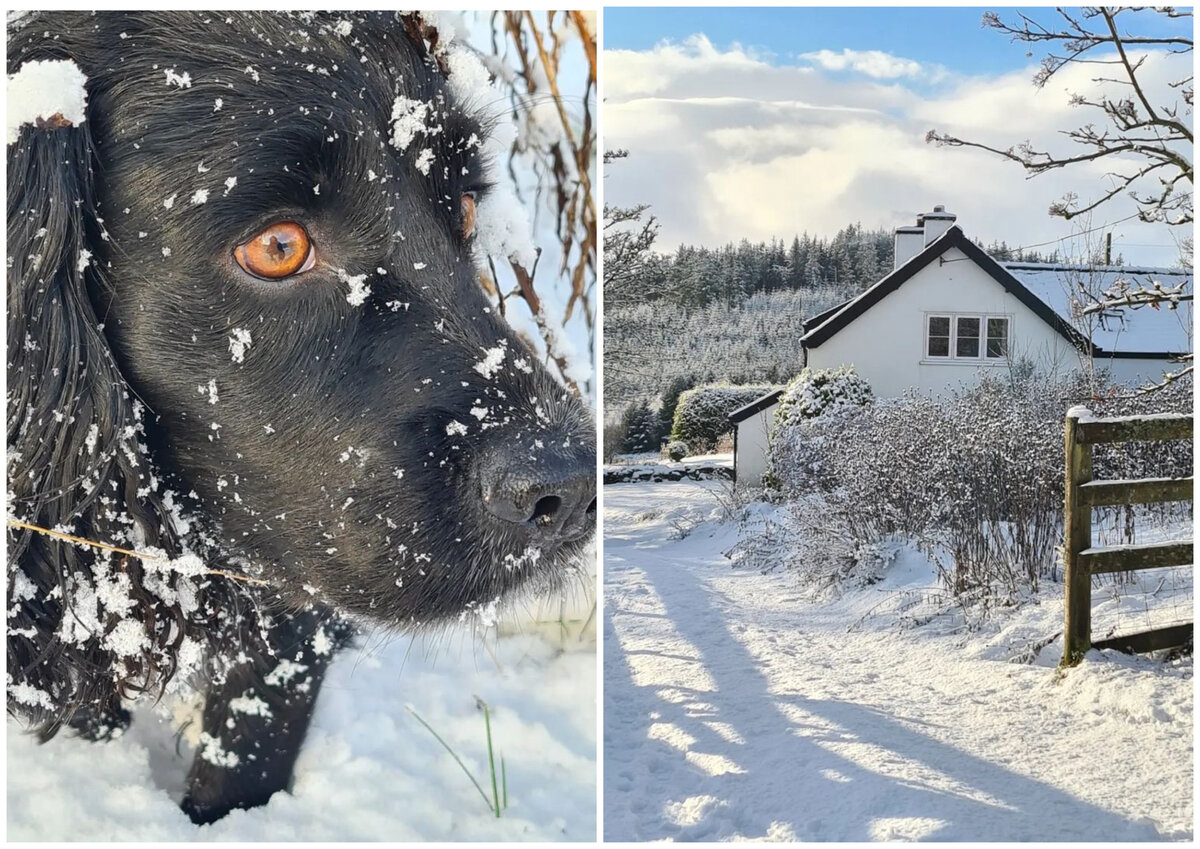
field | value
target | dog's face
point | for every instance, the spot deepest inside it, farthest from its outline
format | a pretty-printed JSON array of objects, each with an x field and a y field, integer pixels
[{"x": 284, "y": 273}]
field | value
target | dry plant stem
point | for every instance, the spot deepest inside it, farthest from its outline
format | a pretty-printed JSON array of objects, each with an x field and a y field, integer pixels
[
  {"x": 589, "y": 40},
  {"x": 581, "y": 156},
  {"x": 535, "y": 306},
  {"x": 17, "y": 523},
  {"x": 575, "y": 202},
  {"x": 562, "y": 113}
]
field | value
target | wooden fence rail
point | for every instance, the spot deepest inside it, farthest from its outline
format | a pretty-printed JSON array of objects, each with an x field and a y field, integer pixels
[{"x": 1081, "y": 560}]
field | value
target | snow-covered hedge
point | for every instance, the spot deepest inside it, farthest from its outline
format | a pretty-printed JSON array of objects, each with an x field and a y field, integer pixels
[
  {"x": 975, "y": 479},
  {"x": 676, "y": 450},
  {"x": 702, "y": 415}
]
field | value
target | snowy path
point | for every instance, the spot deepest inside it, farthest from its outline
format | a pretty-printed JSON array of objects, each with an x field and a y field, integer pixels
[{"x": 733, "y": 710}]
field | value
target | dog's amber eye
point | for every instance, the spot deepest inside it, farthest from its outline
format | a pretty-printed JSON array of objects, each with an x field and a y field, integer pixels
[
  {"x": 468, "y": 215},
  {"x": 278, "y": 251}
]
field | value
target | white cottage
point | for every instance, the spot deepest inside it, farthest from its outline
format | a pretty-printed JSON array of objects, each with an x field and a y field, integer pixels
[{"x": 948, "y": 309}]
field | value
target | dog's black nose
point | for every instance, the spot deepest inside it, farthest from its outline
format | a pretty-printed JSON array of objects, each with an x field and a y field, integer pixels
[{"x": 551, "y": 493}]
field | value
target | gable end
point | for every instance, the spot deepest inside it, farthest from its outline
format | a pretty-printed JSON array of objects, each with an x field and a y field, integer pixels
[{"x": 843, "y": 315}]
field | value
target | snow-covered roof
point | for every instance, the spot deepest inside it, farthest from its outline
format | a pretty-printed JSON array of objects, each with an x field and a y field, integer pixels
[{"x": 1144, "y": 330}]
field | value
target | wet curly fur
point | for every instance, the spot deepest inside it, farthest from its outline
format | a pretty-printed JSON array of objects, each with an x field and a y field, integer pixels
[{"x": 339, "y": 461}]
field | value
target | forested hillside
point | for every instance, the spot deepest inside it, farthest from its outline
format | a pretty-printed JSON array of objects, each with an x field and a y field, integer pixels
[{"x": 734, "y": 313}]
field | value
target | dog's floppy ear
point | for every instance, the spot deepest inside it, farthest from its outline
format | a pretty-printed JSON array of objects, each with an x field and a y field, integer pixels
[{"x": 85, "y": 624}]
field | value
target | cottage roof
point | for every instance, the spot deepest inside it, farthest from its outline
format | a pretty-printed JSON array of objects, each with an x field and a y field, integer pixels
[
  {"x": 1051, "y": 292},
  {"x": 755, "y": 406},
  {"x": 1126, "y": 331}
]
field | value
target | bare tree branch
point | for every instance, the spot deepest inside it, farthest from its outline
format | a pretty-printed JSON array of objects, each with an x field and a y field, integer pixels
[{"x": 1136, "y": 126}]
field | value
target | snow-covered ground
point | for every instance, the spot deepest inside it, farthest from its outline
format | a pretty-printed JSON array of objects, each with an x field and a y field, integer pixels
[
  {"x": 368, "y": 770},
  {"x": 721, "y": 459},
  {"x": 735, "y": 710}
]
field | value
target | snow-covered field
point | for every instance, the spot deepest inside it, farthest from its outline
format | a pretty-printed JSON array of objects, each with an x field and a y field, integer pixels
[
  {"x": 368, "y": 770},
  {"x": 735, "y": 710}
]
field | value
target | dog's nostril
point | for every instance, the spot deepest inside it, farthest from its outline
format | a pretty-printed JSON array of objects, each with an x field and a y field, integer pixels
[
  {"x": 544, "y": 510},
  {"x": 551, "y": 499}
]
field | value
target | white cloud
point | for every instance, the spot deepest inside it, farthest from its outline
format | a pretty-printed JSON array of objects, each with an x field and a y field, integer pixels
[
  {"x": 873, "y": 63},
  {"x": 726, "y": 145}
]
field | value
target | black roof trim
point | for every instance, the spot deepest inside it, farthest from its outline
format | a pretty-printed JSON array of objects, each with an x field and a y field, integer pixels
[
  {"x": 819, "y": 318},
  {"x": 1103, "y": 269},
  {"x": 952, "y": 238},
  {"x": 755, "y": 406},
  {"x": 1102, "y": 354}
]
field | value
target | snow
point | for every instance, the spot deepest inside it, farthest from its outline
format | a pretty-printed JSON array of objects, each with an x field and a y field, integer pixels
[
  {"x": 502, "y": 225},
  {"x": 493, "y": 358},
  {"x": 733, "y": 709},
  {"x": 368, "y": 770},
  {"x": 359, "y": 290},
  {"x": 408, "y": 119},
  {"x": 183, "y": 80},
  {"x": 43, "y": 88},
  {"x": 239, "y": 343},
  {"x": 1146, "y": 329}
]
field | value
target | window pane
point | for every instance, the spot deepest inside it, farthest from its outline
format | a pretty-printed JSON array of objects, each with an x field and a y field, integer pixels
[
  {"x": 967, "y": 343},
  {"x": 939, "y": 336},
  {"x": 997, "y": 337}
]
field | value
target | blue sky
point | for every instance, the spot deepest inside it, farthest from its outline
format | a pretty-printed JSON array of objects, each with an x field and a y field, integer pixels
[
  {"x": 953, "y": 37},
  {"x": 913, "y": 33},
  {"x": 766, "y": 122}
]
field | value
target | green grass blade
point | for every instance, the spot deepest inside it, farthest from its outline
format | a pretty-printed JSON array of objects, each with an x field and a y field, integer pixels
[
  {"x": 454, "y": 755},
  {"x": 487, "y": 723}
]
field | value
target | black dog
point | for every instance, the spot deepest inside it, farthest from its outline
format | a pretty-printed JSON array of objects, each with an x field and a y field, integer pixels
[{"x": 245, "y": 326}]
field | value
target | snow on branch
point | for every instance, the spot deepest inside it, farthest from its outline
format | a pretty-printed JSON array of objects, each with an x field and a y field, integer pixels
[{"x": 1125, "y": 293}]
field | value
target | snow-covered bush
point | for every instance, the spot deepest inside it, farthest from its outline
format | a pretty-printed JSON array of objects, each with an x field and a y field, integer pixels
[
  {"x": 676, "y": 450},
  {"x": 702, "y": 414},
  {"x": 823, "y": 550},
  {"x": 795, "y": 442},
  {"x": 975, "y": 478},
  {"x": 814, "y": 391}
]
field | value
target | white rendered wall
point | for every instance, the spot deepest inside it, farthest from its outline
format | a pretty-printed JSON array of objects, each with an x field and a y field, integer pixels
[
  {"x": 751, "y": 459},
  {"x": 886, "y": 344}
]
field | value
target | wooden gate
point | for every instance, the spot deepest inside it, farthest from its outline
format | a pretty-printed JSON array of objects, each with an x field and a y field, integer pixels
[{"x": 1081, "y": 560}]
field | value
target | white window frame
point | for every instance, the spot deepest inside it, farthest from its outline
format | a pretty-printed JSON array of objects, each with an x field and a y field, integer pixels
[{"x": 953, "y": 356}]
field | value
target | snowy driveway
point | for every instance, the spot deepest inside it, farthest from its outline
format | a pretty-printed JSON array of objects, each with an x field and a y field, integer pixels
[{"x": 733, "y": 710}]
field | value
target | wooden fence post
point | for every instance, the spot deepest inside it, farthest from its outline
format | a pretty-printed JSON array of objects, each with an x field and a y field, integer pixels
[{"x": 1077, "y": 537}]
